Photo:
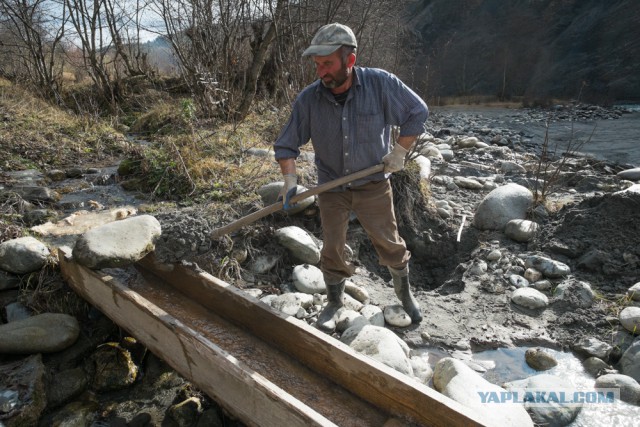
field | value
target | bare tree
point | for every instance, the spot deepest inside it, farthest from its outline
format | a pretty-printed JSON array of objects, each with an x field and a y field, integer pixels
[
  {"x": 35, "y": 30},
  {"x": 92, "y": 34}
]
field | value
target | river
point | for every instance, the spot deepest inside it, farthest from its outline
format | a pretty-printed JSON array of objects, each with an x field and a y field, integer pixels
[{"x": 615, "y": 140}]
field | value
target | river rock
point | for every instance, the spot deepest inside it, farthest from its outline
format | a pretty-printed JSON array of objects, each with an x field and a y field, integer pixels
[
  {"x": 299, "y": 244},
  {"x": 348, "y": 319},
  {"x": 373, "y": 314},
  {"x": 118, "y": 243},
  {"x": 630, "y": 174},
  {"x": 269, "y": 195},
  {"x": 556, "y": 414},
  {"x": 575, "y": 292},
  {"x": 630, "y": 319},
  {"x": 308, "y": 279},
  {"x": 532, "y": 275},
  {"x": 511, "y": 167},
  {"x": 501, "y": 205},
  {"x": 591, "y": 346},
  {"x": 292, "y": 303},
  {"x": 548, "y": 267},
  {"x": 23, "y": 384},
  {"x": 521, "y": 230},
  {"x": 456, "y": 380},
  {"x": 66, "y": 385},
  {"x": 468, "y": 183},
  {"x": 380, "y": 344},
  {"x": 114, "y": 368},
  {"x": 395, "y": 315},
  {"x": 595, "y": 365},
  {"x": 629, "y": 387},
  {"x": 359, "y": 293},
  {"x": 421, "y": 367},
  {"x": 43, "y": 333},
  {"x": 539, "y": 359},
  {"x": 38, "y": 194},
  {"x": 630, "y": 361},
  {"x": 529, "y": 298},
  {"x": 23, "y": 255},
  {"x": 634, "y": 292}
]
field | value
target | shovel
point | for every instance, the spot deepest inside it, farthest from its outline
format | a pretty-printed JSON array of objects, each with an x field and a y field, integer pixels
[{"x": 245, "y": 220}]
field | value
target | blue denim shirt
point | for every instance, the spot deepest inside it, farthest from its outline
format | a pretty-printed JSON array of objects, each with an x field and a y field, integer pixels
[{"x": 355, "y": 136}]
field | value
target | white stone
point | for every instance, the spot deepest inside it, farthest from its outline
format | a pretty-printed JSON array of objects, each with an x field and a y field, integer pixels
[
  {"x": 118, "y": 243},
  {"x": 299, "y": 244},
  {"x": 359, "y": 293},
  {"x": 373, "y": 314},
  {"x": 456, "y": 380},
  {"x": 529, "y": 298},
  {"x": 396, "y": 316},
  {"x": 630, "y": 174},
  {"x": 380, "y": 344},
  {"x": 630, "y": 319},
  {"x": 634, "y": 292},
  {"x": 291, "y": 302},
  {"x": 518, "y": 281},
  {"x": 349, "y": 318},
  {"x": 521, "y": 230},
  {"x": 501, "y": 205},
  {"x": 308, "y": 279}
]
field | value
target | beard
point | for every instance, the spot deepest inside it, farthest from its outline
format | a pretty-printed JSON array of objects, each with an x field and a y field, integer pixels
[{"x": 332, "y": 81}]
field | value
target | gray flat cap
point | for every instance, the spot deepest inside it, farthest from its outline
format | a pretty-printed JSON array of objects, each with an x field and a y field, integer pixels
[{"x": 329, "y": 38}]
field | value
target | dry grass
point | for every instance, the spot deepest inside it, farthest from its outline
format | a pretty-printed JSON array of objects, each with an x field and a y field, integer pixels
[{"x": 36, "y": 134}]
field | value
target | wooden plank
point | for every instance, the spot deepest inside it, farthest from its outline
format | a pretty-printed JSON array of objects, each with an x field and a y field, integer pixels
[
  {"x": 275, "y": 207},
  {"x": 246, "y": 393},
  {"x": 371, "y": 380}
]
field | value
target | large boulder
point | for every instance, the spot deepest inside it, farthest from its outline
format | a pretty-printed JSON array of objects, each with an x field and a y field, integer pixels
[
  {"x": 511, "y": 201},
  {"x": 117, "y": 243}
]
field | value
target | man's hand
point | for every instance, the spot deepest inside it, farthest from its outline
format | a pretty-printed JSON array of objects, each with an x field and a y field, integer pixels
[
  {"x": 288, "y": 190},
  {"x": 394, "y": 161}
]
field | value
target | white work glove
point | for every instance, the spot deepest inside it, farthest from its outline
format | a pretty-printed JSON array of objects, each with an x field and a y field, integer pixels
[
  {"x": 394, "y": 161},
  {"x": 288, "y": 190}
]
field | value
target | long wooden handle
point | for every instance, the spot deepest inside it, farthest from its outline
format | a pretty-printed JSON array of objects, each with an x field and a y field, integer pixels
[{"x": 245, "y": 220}]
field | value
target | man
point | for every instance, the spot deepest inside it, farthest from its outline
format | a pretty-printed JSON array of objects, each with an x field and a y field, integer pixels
[{"x": 347, "y": 115}]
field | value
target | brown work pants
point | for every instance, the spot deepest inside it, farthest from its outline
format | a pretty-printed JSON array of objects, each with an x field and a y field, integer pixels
[{"x": 372, "y": 203}]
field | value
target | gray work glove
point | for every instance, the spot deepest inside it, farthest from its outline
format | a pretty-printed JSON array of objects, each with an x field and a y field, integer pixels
[
  {"x": 288, "y": 190},
  {"x": 394, "y": 161}
]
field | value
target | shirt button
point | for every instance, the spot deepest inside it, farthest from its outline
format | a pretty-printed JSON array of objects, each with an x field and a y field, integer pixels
[
  {"x": 345, "y": 137},
  {"x": 346, "y": 154},
  {"x": 344, "y": 118}
]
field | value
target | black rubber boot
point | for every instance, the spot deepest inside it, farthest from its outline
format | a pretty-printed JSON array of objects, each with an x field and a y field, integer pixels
[
  {"x": 403, "y": 292},
  {"x": 327, "y": 317}
]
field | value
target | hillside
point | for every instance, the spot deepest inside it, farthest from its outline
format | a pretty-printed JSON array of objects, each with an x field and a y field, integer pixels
[{"x": 536, "y": 49}]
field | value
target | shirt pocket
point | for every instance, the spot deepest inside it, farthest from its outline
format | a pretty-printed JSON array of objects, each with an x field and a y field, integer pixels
[{"x": 369, "y": 125}]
